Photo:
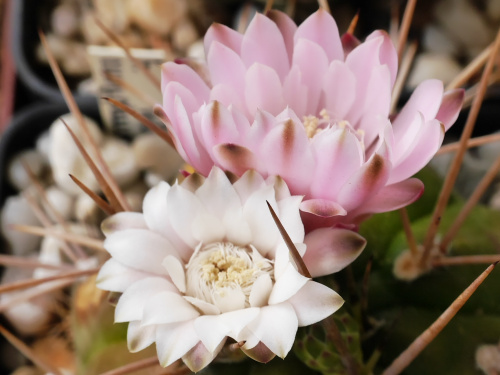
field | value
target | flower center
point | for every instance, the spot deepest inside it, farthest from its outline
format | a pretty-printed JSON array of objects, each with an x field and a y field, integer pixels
[
  {"x": 217, "y": 270},
  {"x": 314, "y": 125}
]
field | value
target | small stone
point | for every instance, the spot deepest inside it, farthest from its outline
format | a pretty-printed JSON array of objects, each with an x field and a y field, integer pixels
[
  {"x": 18, "y": 176},
  {"x": 156, "y": 156},
  {"x": 433, "y": 65},
  {"x": 156, "y": 16},
  {"x": 184, "y": 35},
  {"x": 16, "y": 210},
  {"x": 65, "y": 20}
]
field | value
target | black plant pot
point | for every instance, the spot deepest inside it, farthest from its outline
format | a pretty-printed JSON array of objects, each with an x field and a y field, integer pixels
[{"x": 27, "y": 17}]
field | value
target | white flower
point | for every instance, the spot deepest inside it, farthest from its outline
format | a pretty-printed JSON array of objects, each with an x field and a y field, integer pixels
[{"x": 205, "y": 262}]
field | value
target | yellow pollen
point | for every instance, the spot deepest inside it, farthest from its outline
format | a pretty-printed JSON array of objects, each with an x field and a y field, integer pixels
[
  {"x": 224, "y": 270},
  {"x": 324, "y": 115},
  {"x": 311, "y": 125}
]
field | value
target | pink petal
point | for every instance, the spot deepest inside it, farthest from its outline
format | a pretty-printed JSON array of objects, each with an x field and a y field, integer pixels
[
  {"x": 405, "y": 141},
  {"x": 226, "y": 67},
  {"x": 312, "y": 75},
  {"x": 323, "y": 208},
  {"x": 395, "y": 196},
  {"x": 450, "y": 107},
  {"x": 187, "y": 77},
  {"x": 424, "y": 148},
  {"x": 234, "y": 158},
  {"x": 330, "y": 250},
  {"x": 162, "y": 115},
  {"x": 349, "y": 42},
  {"x": 263, "y": 123},
  {"x": 376, "y": 105},
  {"x": 287, "y": 148},
  {"x": 217, "y": 126},
  {"x": 334, "y": 150},
  {"x": 263, "y": 90},
  {"x": 295, "y": 92},
  {"x": 320, "y": 28},
  {"x": 387, "y": 53},
  {"x": 361, "y": 61},
  {"x": 339, "y": 86},
  {"x": 364, "y": 183},
  {"x": 426, "y": 99},
  {"x": 264, "y": 44},
  {"x": 228, "y": 96},
  {"x": 287, "y": 28},
  {"x": 315, "y": 302},
  {"x": 224, "y": 35}
]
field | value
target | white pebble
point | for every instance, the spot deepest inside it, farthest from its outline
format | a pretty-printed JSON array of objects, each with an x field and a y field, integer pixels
[
  {"x": 156, "y": 156},
  {"x": 433, "y": 65},
  {"x": 18, "y": 175},
  {"x": 16, "y": 210}
]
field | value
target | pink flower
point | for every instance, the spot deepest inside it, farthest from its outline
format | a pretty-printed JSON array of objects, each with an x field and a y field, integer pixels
[{"x": 298, "y": 103}]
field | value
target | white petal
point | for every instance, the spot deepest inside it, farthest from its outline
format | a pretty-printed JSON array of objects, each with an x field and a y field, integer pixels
[
  {"x": 205, "y": 307},
  {"x": 261, "y": 289},
  {"x": 199, "y": 357},
  {"x": 131, "y": 303},
  {"x": 174, "y": 340},
  {"x": 175, "y": 270},
  {"x": 140, "y": 249},
  {"x": 184, "y": 206},
  {"x": 287, "y": 285},
  {"x": 122, "y": 221},
  {"x": 212, "y": 329},
  {"x": 315, "y": 302},
  {"x": 167, "y": 307},
  {"x": 237, "y": 229},
  {"x": 289, "y": 215},
  {"x": 229, "y": 299},
  {"x": 264, "y": 231},
  {"x": 250, "y": 182},
  {"x": 116, "y": 277},
  {"x": 139, "y": 337},
  {"x": 207, "y": 228},
  {"x": 281, "y": 260},
  {"x": 217, "y": 194},
  {"x": 154, "y": 207},
  {"x": 276, "y": 327}
]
